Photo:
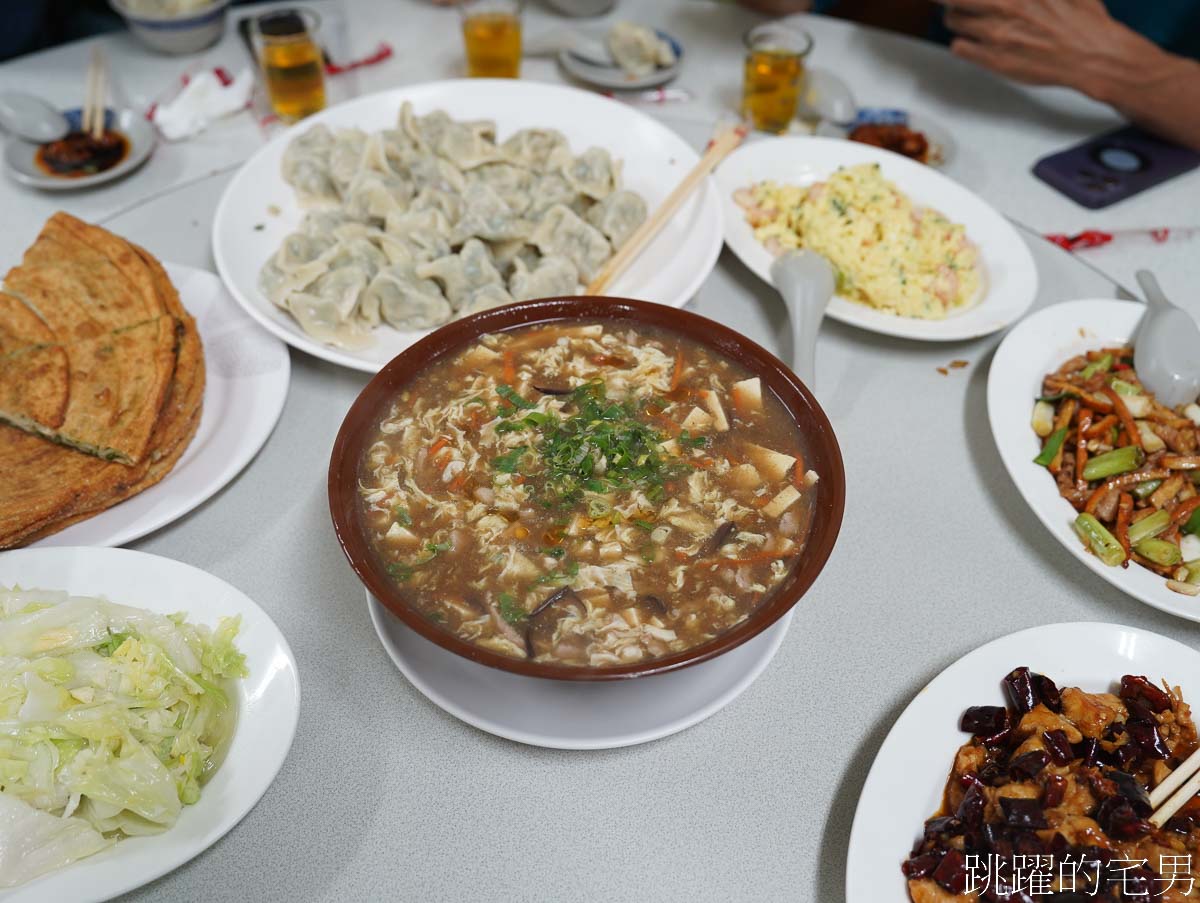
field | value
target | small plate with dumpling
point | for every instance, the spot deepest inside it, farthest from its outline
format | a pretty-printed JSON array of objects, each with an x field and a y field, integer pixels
[
  {"x": 639, "y": 58},
  {"x": 358, "y": 230}
]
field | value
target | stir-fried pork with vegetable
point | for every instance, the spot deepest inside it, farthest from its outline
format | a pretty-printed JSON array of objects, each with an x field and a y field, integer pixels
[
  {"x": 587, "y": 495},
  {"x": 1063, "y": 775},
  {"x": 1128, "y": 464}
]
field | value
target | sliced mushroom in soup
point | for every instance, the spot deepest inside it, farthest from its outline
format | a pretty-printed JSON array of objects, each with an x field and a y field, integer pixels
[{"x": 587, "y": 494}]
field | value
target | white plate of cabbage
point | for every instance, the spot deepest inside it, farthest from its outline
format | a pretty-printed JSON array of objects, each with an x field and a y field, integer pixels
[
  {"x": 916, "y": 254},
  {"x": 145, "y": 707}
]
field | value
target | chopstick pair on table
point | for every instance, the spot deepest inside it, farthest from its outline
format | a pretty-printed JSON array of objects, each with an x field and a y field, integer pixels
[
  {"x": 94, "y": 117},
  {"x": 1174, "y": 792}
]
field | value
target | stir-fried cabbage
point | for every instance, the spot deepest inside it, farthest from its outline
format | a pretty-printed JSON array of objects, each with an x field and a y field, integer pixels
[{"x": 111, "y": 719}]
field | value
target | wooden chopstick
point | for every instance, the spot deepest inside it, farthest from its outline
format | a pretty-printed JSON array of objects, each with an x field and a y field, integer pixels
[
  {"x": 1179, "y": 786},
  {"x": 89, "y": 92},
  {"x": 95, "y": 90},
  {"x": 718, "y": 149}
]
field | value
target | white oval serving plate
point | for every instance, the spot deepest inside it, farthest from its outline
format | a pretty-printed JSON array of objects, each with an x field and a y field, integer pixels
[
  {"x": 247, "y": 372},
  {"x": 568, "y": 714},
  {"x": 268, "y": 709},
  {"x": 1009, "y": 276},
  {"x": 670, "y": 270},
  {"x": 1038, "y": 346},
  {"x": 905, "y": 784}
]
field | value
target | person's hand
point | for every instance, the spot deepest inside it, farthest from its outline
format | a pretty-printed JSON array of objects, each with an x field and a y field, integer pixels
[{"x": 1063, "y": 42}]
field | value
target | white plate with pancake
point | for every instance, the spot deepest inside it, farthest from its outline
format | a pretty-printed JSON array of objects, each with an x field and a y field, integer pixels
[
  {"x": 268, "y": 702},
  {"x": 1009, "y": 277},
  {"x": 247, "y": 376},
  {"x": 259, "y": 209}
]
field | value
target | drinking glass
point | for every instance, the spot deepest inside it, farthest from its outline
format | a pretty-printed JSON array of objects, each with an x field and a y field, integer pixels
[
  {"x": 292, "y": 62},
  {"x": 492, "y": 37},
  {"x": 774, "y": 75}
]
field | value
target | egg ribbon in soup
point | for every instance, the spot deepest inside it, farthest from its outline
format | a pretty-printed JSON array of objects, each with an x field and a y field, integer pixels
[{"x": 587, "y": 495}]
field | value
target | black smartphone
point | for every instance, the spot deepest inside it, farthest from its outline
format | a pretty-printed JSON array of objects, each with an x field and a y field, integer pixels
[{"x": 1111, "y": 167}]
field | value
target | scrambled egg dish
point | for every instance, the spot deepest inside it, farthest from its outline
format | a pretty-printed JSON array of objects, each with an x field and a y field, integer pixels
[{"x": 888, "y": 252}]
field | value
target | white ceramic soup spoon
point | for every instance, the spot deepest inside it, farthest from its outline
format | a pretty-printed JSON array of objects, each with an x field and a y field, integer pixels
[
  {"x": 805, "y": 280},
  {"x": 31, "y": 118},
  {"x": 1166, "y": 352}
]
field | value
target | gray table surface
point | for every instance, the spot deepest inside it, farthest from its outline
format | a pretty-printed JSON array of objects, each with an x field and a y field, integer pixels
[{"x": 385, "y": 797}]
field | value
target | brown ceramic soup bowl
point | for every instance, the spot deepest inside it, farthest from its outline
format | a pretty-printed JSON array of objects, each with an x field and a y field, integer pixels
[{"x": 359, "y": 429}]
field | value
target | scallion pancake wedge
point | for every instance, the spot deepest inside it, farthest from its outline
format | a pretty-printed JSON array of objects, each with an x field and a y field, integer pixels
[{"x": 117, "y": 383}]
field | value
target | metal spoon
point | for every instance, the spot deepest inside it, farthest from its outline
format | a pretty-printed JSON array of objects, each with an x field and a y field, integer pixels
[
  {"x": 805, "y": 280},
  {"x": 31, "y": 118},
  {"x": 1166, "y": 353}
]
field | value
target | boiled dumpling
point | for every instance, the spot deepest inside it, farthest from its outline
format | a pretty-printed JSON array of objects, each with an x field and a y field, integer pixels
[
  {"x": 562, "y": 233},
  {"x": 319, "y": 317},
  {"x": 505, "y": 253},
  {"x": 426, "y": 131},
  {"x": 553, "y": 277},
  {"x": 462, "y": 273},
  {"x": 543, "y": 150},
  {"x": 318, "y": 223},
  {"x": 637, "y": 49},
  {"x": 277, "y": 284},
  {"x": 299, "y": 249},
  {"x": 406, "y": 301},
  {"x": 306, "y": 167},
  {"x": 377, "y": 155},
  {"x": 512, "y": 183},
  {"x": 487, "y": 216},
  {"x": 373, "y": 195},
  {"x": 426, "y": 233},
  {"x": 345, "y": 156},
  {"x": 593, "y": 173},
  {"x": 426, "y": 170},
  {"x": 486, "y": 297},
  {"x": 356, "y": 251},
  {"x": 449, "y": 204},
  {"x": 465, "y": 147},
  {"x": 341, "y": 288},
  {"x": 548, "y": 190},
  {"x": 618, "y": 215}
]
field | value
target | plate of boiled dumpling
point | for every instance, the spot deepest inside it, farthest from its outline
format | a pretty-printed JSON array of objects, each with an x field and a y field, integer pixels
[{"x": 360, "y": 229}]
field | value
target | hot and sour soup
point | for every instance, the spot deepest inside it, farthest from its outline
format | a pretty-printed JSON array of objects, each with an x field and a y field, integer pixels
[{"x": 586, "y": 494}]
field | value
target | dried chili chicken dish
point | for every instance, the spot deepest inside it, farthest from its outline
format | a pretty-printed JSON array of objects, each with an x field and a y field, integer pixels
[
  {"x": 1129, "y": 465},
  {"x": 586, "y": 493},
  {"x": 1057, "y": 783}
]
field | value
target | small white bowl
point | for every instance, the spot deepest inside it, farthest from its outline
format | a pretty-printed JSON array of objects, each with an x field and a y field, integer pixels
[{"x": 176, "y": 34}]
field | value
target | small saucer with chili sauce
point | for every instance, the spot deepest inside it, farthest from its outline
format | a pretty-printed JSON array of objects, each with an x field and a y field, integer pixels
[{"x": 80, "y": 160}]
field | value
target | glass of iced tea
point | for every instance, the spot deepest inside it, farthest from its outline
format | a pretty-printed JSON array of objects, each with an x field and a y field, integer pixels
[
  {"x": 292, "y": 63},
  {"x": 774, "y": 75},
  {"x": 492, "y": 36}
]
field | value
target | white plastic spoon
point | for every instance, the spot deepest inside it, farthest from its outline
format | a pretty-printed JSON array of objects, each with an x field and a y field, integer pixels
[
  {"x": 1166, "y": 352},
  {"x": 588, "y": 49},
  {"x": 805, "y": 280},
  {"x": 31, "y": 118}
]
